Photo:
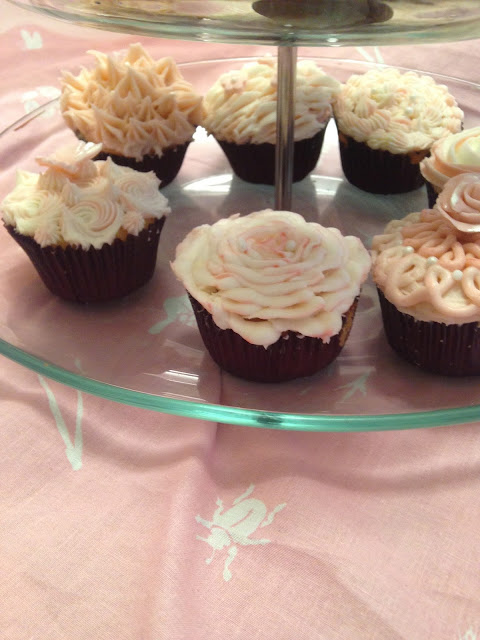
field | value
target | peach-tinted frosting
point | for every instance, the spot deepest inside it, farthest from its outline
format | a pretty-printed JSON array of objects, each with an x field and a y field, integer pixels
[
  {"x": 395, "y": 111},
  {"x": 241, "y": 106},
  {"x": 451, "y": 155},
  {"x": 270, "y": 272},
  {"x": 428, "y": 263},
  {"x": 134, "y": 105},
  {"x": 80, "y": 202}
]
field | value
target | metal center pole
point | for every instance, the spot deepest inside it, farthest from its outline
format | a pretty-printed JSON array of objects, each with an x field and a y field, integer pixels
[{"x": 286, "y": 76}]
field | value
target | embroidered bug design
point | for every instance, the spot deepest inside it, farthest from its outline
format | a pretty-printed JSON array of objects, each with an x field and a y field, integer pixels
[{"x": 231, "y": 528}]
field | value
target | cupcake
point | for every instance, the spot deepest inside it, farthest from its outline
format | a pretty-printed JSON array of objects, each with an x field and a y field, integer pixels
[
  {"x": 427, "y": 271},
  {"x": 449, "y": 156},
  {"x": 274, "y": 296},
  {"x": 142, "y": 111},
  {"x": 90, "y": 228},
  {"x": 241, "y": 114},
  {"x": 387, "y": 122}
]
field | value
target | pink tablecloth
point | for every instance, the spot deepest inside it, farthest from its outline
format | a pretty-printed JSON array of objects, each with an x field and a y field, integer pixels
[{"x": 125, "y": 524}]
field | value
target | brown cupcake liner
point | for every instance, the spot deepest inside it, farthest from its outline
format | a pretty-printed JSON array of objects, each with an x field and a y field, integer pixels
[
  {"x": 166, "y": 167},
  {"x": 95, "y": 275},
  {"x": 255, "y": 163},
  {"x": 292, "y": 356},
  {"x": 449, "y": 350},
  {"x": 379, "y": 171},
  {"x": 432, "y": 194}
]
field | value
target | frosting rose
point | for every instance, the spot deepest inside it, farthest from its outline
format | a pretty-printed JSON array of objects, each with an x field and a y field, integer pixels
[
  {"x": 135, "y": 106},
  {"x": 241, "y": 106},
  {"x": 429, "y": 269},
  {"x": 451, "y": 155},
  {"x": 81, "y": 202},
  {"x": 271, "y": 272},
  {"x": 459, "y": 202},
  {"x": 395, "y": 111}
]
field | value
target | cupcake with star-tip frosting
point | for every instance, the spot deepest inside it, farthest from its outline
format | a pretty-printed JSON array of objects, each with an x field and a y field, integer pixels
[
  {"x": 427, "y": 271},
  {"x": 90, "y": 228},
  {"x": 387, "y": 121},
  {"x": 142, "y": 111}
]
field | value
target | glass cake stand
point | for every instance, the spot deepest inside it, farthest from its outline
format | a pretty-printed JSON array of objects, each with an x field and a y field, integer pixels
[
  {"x": 145, "y": 350},
  {"x": 275, "y": 22}
]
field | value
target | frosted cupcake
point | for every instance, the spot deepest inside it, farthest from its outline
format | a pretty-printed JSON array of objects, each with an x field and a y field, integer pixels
[
  {"x": 142, "y": 111},
  {"x": 387, "y": 122},
  {"x": 274, "y": 296},
  {"x": 427, "y": 271},
  {"x": 240, "y": 112},
  {"x": 90, "y": 228},
  {"x": 450, "y": 156}
]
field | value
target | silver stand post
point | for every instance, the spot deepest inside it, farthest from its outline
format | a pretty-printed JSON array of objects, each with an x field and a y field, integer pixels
[{"x": 287, "y": 64}]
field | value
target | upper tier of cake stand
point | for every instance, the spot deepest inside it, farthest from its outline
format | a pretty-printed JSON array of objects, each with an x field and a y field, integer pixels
[{"x": 276, "y": 22}]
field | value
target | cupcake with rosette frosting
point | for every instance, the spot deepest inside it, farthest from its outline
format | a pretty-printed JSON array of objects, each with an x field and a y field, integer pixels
[
  {"x": 451, "y": 155},
  {"x": 387, "y": 121},
  {"x": 90, "y": 228},
  {"x": 241, "y": 114},
  {"x": 274, "y": 296},
  {"x": 142, "y": 111},
  {"x": 427, "y": 271}
]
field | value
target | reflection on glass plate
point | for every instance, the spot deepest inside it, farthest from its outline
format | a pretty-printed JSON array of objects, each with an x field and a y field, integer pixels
[
  {"x": 145, "y": 350},
  {"x": 297, "y": 22}
]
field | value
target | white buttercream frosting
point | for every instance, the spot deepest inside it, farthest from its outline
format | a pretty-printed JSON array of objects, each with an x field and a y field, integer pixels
[
  {"x": 451, "y": 155},
  {"x": 438, "y": 279},
  {"x": 241, "y": 106},
  {"x": 270, "y": 272},
  {"x": 80, "y": 202},
  {"x": 395, "y": 111},
  {"x": 134, "y": 105}
]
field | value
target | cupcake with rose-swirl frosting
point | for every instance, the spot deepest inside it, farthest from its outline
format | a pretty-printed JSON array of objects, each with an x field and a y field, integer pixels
[
  {"x": 387, "y": 121},
  {"x": 427, "y": 271},
  {"x": 274, "y": 296},
  {"x": 90, "y": 228},
  {"x": 451, "y": 155},
  {"x": 141, "y": 110}
]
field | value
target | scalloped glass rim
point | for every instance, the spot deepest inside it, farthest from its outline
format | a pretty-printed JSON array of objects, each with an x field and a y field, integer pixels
[
  {"x": 205, "y": 410},
  {"x": 237, "y": 22}
]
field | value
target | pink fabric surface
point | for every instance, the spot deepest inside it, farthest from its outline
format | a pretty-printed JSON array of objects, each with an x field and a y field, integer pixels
[{"x": 118, "y": 523}]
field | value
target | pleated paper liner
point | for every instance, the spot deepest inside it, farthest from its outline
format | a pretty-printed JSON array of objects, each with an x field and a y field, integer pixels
[
  {"x": 379, "y": 171},
  {"x": 450, "y": 350},
  {"x": 166, "y": 167},
  {"x": 255, "y": 163},
  {"x": 292, "y": 356},
  {"x": 95, "y": 275}
]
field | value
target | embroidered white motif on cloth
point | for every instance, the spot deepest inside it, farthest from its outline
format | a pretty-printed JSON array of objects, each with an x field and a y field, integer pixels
[
  {"x": 233, "y": 527},
  {"x": 175, "y": 307},
  {"x": 73, "y": 449},
  {"x": 31, "y": 40}
]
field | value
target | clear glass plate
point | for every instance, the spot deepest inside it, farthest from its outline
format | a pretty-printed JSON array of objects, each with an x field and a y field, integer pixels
[
  {"x": 277, "y": 22},
  {"x": 145, "y": 350}
]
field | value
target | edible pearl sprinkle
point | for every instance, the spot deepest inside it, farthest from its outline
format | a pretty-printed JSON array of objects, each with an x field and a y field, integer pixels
[
  {"x": 290, "y": 245},
  {"x": 457, "y": 274},
  {"x": 408, "y": 249},
  {"x": 431, "y": 260}
]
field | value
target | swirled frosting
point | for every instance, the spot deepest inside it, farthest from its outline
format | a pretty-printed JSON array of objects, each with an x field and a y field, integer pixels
[
  {"x": 80, "y": 202},
  {"x": 426, "y": 265},
  {"x": 135, "y": 106},
  {"x": 270, "y": 272},
  {"x": 395, "y": 111},
  {"x": 451, "y": 155},
  {"x": 241, "y": 106}
]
